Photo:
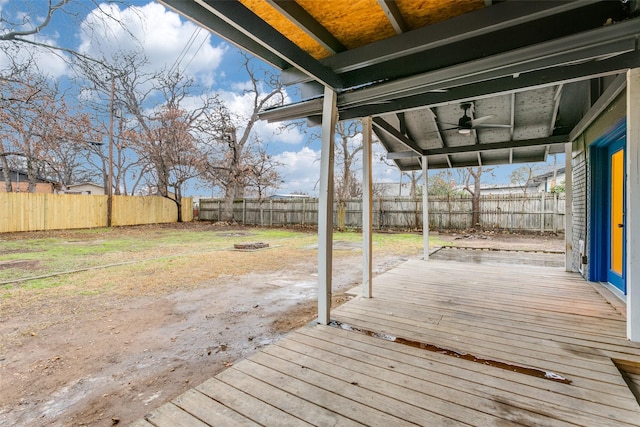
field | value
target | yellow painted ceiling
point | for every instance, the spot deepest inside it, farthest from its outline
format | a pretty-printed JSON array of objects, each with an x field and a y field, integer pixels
[{"x": 357, "y": 23}]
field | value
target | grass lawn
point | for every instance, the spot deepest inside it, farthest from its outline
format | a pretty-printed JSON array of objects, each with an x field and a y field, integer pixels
[{"x": 159, "y": 259}]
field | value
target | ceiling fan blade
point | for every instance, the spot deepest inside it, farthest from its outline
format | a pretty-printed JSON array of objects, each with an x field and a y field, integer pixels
[
  {"x": 442, "y": 130},
  {"x": 482, "y": 119},
  {"x": 446, "y": 123},
  {"x": 491, "y": 125}
]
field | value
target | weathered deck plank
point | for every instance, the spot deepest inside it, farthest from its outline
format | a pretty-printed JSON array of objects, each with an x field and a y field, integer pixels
[
  {"x": 443, "y": 401},
  {"x": 542, "y": 318},
  {"x": 478, "y": 380},
  {"x": 210, "y": 411}
]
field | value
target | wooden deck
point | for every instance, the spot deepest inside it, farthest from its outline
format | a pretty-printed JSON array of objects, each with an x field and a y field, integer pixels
[{"x": 441, "y": 343}]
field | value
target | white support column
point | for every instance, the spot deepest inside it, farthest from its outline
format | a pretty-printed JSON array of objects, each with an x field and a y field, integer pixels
[
  {"x": 425, "y": 208},
  {"x": 632, "y": 213},
  {"x": 325, "y": 206},
  {"x": 568, "y": 206},
  {"x": 367, "y": 209}
]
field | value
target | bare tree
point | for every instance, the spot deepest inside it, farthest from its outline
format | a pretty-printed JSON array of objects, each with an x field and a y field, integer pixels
[
  {"x": 22, "y": 23},
  {"x": 472, "y": 185},
  {"x": 523, "y": 177},
  {"x": 414, "y": 183},
  {"x": 102, "y": 85},
  {"x": 23, "y": 41},
  {"x": 68, "y": 162},
  {"x": 442, "y": 183},
  {"x": 157, "y": 142},
  {"x": 165, "y": 136},
  {"x": 263, "y": 171},
  {"x": 229, "y": 136},
  {"x": 263, "y": 175},
  {"x": 170, "y": 149},
  {"x": 35, "y": 122},
  {"x": 348, "y": 146}
]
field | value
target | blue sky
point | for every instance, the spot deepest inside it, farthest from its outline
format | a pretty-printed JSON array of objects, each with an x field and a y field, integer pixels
[{"x": 165, "y": 37}]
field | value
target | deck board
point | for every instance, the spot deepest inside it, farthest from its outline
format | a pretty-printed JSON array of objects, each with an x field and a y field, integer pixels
[
  {"x": 475, "y": 379},
  {"x": 540, "y": 318}
]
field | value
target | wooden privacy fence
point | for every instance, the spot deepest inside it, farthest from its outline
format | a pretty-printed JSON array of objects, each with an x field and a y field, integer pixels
[
  {"x": 537, "y": 212},
  {"x": 36, "y": 212}
]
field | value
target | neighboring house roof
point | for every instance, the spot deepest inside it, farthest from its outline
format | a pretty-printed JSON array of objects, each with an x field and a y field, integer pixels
[
  {"x": 85, "y": 188},
  {"x": 545, "y": 176},
  {"x": 84, "y": 184},
  {"x": 394, "y": 189},
  {"x": 289, "y": 196},
  {"x": 515, "y": 187},
  {"x": 17, "y": 176}
]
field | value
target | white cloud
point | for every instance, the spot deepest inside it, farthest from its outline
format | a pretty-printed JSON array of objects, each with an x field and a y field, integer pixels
[
  {"x": 165, "y": 38},
  {"x": 241, "y": 105},
  {"x": 300, "y": 171}
]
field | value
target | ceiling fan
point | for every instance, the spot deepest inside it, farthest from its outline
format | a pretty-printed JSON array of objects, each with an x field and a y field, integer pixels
[{"x": 466, "y": 123}]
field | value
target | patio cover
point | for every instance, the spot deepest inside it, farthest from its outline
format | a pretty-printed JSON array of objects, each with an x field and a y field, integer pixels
[
  {"x": 535, "y": 66},
  {"x": 529, "y": 76}
]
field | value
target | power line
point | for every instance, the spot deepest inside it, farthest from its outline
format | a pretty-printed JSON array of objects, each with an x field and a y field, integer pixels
[
  {"x": 184, "y": 51},
  {"x": 206, "y": 36}
]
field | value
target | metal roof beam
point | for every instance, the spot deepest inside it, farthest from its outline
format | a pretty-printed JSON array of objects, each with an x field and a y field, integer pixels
[
  {"x": 556, "y": 107},
  {"x": 251, "y": 26},
  {"x": 400, "y": 96},
  {"x": 562, "y": 139},
  {"x": 512, "y": 116},
  {"x": 301, "y": 18},
  {"x": 390, "y": 8},
  {"x": 402, "y": 155},
  {"x": 396, "y": 134},
  {"x": 546, "y": 152},
  {"x": 460, "y": 28},
  {"x": 612, "y": 91},
  {"x": 502, "y": 86},
  {"x": 595, "y": 44},
  {"x": 549, "y": 141}
]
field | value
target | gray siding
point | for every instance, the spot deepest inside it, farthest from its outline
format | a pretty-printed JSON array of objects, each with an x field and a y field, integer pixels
[{"x": 580, "y": 209}]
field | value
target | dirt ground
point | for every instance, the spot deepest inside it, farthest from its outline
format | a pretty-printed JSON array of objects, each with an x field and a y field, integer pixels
[{"x": 105, "y": 361}]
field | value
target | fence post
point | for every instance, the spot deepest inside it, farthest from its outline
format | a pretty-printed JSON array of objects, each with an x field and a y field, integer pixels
[
  {"x": 425, "y": 208},
  {"x": 261, "y": 207},
  {"x": 270, "y": 212},
  {"x": 542, "y": 212},
  {"x": 244, "y": 211},
  {"x": 303, "y": 210},
  {"x": 555, "y": 213}
]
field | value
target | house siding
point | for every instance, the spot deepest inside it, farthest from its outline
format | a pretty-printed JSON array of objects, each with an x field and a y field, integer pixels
[
  {"x": 580, "y": 211},
  {"x": 88, "y": 188},
  {"x": 20, "y": 183},
  {"x": 582, "y": 175},
  {"x": 23, "y": 187}
]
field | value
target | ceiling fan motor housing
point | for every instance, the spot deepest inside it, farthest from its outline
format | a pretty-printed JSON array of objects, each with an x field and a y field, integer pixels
[{"x": 465, "y": 121}]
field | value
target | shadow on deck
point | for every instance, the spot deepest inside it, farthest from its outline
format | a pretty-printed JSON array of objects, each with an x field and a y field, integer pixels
[{"x": 441, "y": 343}]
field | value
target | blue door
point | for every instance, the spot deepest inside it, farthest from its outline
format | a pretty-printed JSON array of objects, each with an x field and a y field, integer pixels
[
  {"x": 616, "y": 239},
  {"x": 607, "y": 259}
]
